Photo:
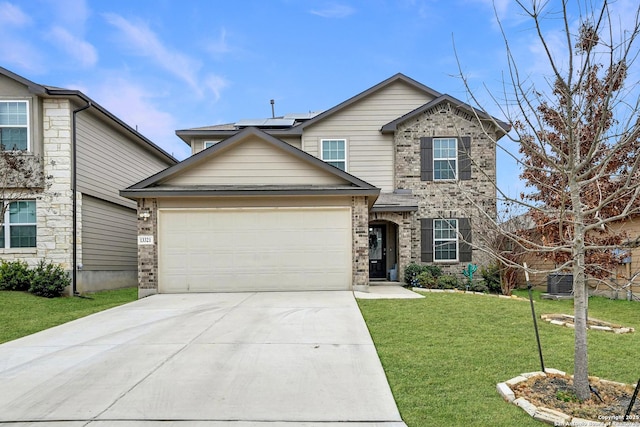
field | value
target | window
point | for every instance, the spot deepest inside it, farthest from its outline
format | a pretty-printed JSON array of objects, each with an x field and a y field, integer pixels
[
  {"x": 19, "y": 228},
  {"x": 14, "y": 127},
  {"x": 445, "y": 159},
  {"x": 445, "y": 239},
  {"x": 208, "y": 144},
  {"x": 334, "y": 152}
]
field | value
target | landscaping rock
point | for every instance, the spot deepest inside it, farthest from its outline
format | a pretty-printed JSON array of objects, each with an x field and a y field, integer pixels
[
  {"x": 506, "y": 392},
  {"x": 528, "y": 407},
  {"x": 552, "y": 417}
]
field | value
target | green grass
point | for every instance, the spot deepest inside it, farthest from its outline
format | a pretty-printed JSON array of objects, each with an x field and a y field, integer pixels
[
  {"x": 444, "y": 354},
  {"x": 22, "y": 313}
]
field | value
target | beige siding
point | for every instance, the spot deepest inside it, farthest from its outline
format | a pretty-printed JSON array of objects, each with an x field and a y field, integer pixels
[
  {"x": 369, "y": 153},
  {"x": 108, "y": 236},
  {"x": 254, "y": 162},
  {"x": 109, "y": 161},
  {"x": 197, "y": 145}
]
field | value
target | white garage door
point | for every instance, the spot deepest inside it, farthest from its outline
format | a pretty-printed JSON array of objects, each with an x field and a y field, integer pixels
[{"x": 254, "y": 249}]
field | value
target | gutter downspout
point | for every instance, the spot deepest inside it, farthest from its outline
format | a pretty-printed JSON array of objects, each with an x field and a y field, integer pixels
[{"x": 74, "y": 200}]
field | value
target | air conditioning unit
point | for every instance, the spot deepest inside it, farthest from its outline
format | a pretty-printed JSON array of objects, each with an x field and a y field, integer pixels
[{"x": 560, "y": 284}]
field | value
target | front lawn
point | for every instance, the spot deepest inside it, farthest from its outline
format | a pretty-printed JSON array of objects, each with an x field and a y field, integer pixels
[
  {"x": 22, "y": 313},
  {"x": 444, "y": 354}
]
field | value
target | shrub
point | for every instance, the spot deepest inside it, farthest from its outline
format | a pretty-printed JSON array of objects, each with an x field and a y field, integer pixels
[
  {"x": 49, "y": 280},
  {"x": 426, "y": 280},
  {"x": 411, "y": 271},
  {"x": 478, "y": 286},
  {"x": 491, "y": 276},
  {"x": 15, "y": 276},
  {"x": 433, "y": 269},
  {"x": 447, "y": 282}
]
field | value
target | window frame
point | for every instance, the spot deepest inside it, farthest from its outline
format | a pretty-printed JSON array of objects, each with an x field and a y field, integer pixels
[
  {"x": 26, "y": 126},
  {"x": 446, "y": 159},
  {"x": 208, "y": 144},
  {"x": 332, "y": 161},
  {"x": 446, "y": 240},
  {"x": 7, "y": 225}
]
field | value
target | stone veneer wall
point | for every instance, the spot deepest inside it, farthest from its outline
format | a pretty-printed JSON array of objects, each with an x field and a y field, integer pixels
[
  {"x": 360, "y": 247},
  {"x": 148, "y": 254},
  {"x": 444, "y": 199}
]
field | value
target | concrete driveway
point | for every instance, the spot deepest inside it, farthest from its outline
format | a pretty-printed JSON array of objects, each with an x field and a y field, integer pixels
[{"x": 229, "y": 359}]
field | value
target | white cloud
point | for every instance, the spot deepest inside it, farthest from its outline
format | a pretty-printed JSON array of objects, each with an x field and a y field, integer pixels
[
  {"x": 13, "y": 15},
  {"x": 77, "y": 48},
  {"x": 219, "y": 46},
  {"x": 216, "y": 84},
  {"x": 134, "y": 105},
  {"x": 69, "y": 13},
  {"x": 138, "y": 38},
  {"x": 334, "y": 11}
]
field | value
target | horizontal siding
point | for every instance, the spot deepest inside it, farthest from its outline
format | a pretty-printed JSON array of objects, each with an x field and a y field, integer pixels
[
  {"x": 108, "y": 161},
  {"x": 108, "y": 236},
  {"x": 254, "y": 162},
  {"x": 370, "y": 154}
]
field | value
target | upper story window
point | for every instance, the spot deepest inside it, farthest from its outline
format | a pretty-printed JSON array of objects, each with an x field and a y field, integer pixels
[
  {"x": 14, "y": 126},
  {"x": 208, "y": 144},
  {"x": 334, "y": 152},
  {"x": 19, "y": 225},
  {"x": 445, "y": 159}
]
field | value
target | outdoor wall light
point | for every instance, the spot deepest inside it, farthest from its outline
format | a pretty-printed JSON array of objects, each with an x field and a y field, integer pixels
[{"x": 144, "y": 215}]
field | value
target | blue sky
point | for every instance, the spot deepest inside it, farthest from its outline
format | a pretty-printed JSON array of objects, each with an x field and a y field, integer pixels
[{"x": 163, "y": 65}]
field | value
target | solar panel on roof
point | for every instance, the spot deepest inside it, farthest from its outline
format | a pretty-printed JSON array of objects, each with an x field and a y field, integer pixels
[{"x": 265, "y": 122}]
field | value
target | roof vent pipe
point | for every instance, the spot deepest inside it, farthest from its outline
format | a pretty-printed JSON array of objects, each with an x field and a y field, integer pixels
[{"x": 273, "y": 109}]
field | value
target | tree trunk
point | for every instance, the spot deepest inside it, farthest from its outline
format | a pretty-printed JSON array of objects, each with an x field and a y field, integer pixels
[{"x": 580, "y": 305}]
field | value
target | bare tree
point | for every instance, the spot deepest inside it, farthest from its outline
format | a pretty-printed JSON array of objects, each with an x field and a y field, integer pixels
[
  {"x": 21, "y": 175},
  {"x": 578, "y": 136}
]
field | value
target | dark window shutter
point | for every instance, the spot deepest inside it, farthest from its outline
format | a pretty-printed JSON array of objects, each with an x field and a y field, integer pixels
[
  {"x": 464, "y": 157},
  {"x": 426, "y": 239},
  {"x": 426, "y": 159},
  {"x": 464, "y": 228}
]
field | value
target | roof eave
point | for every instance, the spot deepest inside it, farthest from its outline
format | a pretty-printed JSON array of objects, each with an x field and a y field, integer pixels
[{"x": 135, "y": 194}]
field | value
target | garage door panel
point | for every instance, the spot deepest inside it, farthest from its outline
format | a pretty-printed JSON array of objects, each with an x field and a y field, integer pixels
[{"x": 212, "y": 250}]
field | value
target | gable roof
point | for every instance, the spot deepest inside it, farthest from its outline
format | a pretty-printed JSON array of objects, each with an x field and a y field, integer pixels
[
  {"x": 53, "y": 92},
  {"x": 296, "y": 129},
  {"x": 153, "y": 186},
  {"x": 392, "y": 126}
]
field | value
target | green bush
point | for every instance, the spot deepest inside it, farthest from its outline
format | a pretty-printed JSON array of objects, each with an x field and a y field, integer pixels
[
  {"x": 426, "y": 280},
  {"x": 447, "y": 282},
  {"x": 414, "y": 270},
  {"x": 479, "y": 286},
  {"x": 15, "y": 276},
  {"x": 49, "y": 280},
  {"x": 491, "y": 276}
]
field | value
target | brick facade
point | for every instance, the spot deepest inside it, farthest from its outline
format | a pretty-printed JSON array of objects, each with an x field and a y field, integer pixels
[
  {"x": 148, "y": 254},
  {"x": 360, "y": 224},
  {"x": 461, "y": 199}
]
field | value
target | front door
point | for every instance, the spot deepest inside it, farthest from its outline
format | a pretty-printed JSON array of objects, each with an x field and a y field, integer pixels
[{"x": 377, "y": 252}]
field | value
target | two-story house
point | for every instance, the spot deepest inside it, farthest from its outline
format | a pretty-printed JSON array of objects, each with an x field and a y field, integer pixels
[
  {"x": 74, "y": 215},
  {"x": 327, "y": 200}
]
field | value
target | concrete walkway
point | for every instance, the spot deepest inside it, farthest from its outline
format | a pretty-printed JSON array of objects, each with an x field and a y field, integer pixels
[{"x": 235, "y": 359}]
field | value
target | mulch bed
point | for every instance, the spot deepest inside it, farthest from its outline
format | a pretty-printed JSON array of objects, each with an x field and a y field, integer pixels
[{"x": 555, "y": 391}]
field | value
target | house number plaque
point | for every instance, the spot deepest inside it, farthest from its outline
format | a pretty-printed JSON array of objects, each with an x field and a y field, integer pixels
[{"x": 145, "y": 240}]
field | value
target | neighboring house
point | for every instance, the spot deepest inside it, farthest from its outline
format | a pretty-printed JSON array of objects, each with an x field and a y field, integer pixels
[
  {"x": 326, "y": 200},
  {"x": 53, "y": 125},
  {"x": 624, "y": 282}
]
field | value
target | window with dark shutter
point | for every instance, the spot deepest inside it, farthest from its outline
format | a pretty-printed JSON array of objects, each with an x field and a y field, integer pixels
[
  {"x": 446, "y": 165},
  {"x": 442, "y": 239}
]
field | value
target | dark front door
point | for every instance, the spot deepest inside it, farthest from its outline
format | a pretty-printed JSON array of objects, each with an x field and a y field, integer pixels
[{"x": 377, "y": 252}]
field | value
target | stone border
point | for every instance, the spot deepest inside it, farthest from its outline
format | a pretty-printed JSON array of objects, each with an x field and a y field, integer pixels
[
  {"x": 610, "y": 327},
  {"x": 552, "y": 416},
  {"x": 457, "y": 291}
]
